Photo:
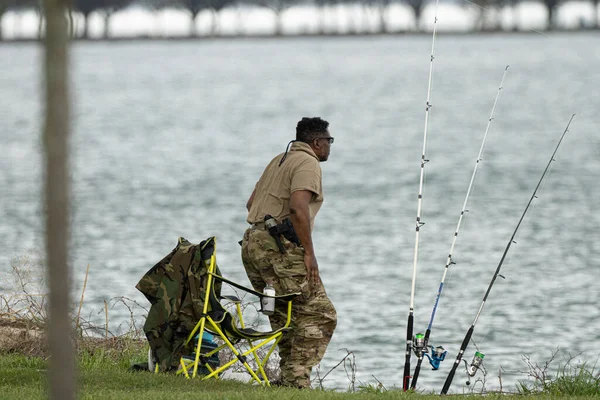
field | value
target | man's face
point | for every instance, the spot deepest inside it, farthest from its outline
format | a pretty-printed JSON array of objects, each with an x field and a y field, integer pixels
[{"x": 322, "y": 146}]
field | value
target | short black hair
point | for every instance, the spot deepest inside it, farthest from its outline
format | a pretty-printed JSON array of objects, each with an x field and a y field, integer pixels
[{"x": 310, "y": 128}]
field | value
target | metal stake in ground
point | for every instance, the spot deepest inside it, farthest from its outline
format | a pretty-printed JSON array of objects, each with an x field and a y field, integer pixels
[
  {"x": 420, "y": 347},
  {"x": 419, "y": 223},
  {"x": 467, "y": 338}
]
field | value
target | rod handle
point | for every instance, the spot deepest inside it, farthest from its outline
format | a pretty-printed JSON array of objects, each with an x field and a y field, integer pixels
[
  {"x": 409, "y": 333},
  {"x": 449, "y": 378},
  {"x": 415, "y": 377},
  {"x": 463, "y": 347}
]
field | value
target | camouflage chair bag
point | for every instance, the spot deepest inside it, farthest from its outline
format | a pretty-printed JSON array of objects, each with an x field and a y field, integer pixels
[{"x": 176, "y": 288}]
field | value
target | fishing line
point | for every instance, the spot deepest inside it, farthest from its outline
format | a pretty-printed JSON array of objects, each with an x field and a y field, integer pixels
[
  {"x": 534, "y": 205},
  {"x": 419, "y": 223},
  {"x": 495, "y": 305},
  {"x": 478, "y": 359},
  {"x": 420, "y": 343},
  {"x": 507, "y": 260}
]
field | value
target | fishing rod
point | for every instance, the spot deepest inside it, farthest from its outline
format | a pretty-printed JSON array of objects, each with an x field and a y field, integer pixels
[
  {"x": 478, "y": 359},
  {"x": 419, "y": 223},
  {"x": 420, "y": 343}
]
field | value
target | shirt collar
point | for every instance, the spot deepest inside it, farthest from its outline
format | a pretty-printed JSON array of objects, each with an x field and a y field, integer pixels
[{"x": 301, "y": 146}]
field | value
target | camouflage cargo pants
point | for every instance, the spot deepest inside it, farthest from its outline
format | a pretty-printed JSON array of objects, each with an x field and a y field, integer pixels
[{"x": 313, "y": 315}]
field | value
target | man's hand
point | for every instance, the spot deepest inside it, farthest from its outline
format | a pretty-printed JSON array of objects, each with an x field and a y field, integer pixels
[{"x": 312, "y": 268}]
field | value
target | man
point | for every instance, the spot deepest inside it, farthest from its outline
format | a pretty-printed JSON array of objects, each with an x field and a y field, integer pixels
[{"x": 291, "y": 187}]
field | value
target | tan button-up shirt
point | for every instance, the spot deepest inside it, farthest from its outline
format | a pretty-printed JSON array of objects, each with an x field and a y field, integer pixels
[{"x": 300, "y": 171}]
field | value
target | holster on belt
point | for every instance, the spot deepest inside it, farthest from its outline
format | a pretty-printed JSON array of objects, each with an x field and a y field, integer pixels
[{"x": 285, "y": 228}]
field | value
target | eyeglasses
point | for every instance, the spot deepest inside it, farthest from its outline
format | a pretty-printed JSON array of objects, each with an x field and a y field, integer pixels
[{"x": 329, "y": 139}]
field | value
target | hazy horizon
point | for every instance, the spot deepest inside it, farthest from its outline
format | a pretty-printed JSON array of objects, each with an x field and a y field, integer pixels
[{"x": 137, "y": 21}]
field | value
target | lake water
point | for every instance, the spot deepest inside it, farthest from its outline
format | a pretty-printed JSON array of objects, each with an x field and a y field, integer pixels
[{"x": 170, "y": 137}]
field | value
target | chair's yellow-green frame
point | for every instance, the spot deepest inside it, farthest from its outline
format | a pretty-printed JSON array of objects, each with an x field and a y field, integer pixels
[{"x": 225, "y": 328}]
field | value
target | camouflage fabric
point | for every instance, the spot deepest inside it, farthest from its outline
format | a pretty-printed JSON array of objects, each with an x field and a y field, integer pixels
[
  {"x": 313, "y": 315},
  {"x": 175, "y": 287}
]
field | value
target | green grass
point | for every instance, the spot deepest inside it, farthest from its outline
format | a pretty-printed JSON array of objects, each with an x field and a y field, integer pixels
[
  {"x": 104, "y": 376},
  {"x": 25, "y": 378},
  {"x": 102, "y": 365},
  {"x": 569, "y": 381}
]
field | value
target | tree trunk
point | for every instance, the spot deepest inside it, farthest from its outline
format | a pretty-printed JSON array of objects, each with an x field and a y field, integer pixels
[
  {"x": 193, "y": 31},
  {"x": 551, "y": 6},
  {"x": 479, "y": 22},
  {"x": 86, "y": 25},
  {"x": 352, "y": 24},
  {"x": 107, "y": 24},
  {"x": 364, "y": 18},
  {"x": 40, "y": 27},
  {"x": 383, "y": 26},
  {"x": 239, "y": 21},
  {"x": 2, "y": 11},
  {"x": 550, "y": 18},
  {"x": 56, "y": 138},
  {"x": 417, "y": 10},
  {"x": 214, "y": 26},
  {"x": 71, "y": 22},
  {"x": 321, "y": 24},
  {"x": 278, "y": 22}
]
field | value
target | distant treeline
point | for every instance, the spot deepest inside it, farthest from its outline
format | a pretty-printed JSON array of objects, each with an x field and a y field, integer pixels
[{"x": 487, "y": 11}]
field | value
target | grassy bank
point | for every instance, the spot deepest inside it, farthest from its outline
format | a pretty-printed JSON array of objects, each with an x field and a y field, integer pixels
[
  {"x": 104, "y": 359},
  {"x": 105, "y": 375},
  {"x": 103, "y": 372}
]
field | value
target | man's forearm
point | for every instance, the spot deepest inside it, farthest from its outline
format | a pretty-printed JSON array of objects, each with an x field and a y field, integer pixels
[{"x": 300, "y": 217}]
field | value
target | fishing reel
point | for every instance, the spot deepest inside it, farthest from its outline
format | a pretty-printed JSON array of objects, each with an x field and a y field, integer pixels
[
  {"x": 419, "y": 345},
  {"x": 438, "y": 354},
  {"x": 476, "y": 364}
]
